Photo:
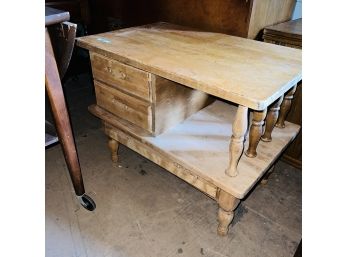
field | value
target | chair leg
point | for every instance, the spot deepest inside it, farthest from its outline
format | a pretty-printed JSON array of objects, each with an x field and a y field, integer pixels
[{"x": 61, "y": 118}]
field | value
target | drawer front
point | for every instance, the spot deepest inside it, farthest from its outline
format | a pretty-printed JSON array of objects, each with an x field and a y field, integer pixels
[
  {"x": 121, "y": 76},
  {"x": 124, "y": 106}
]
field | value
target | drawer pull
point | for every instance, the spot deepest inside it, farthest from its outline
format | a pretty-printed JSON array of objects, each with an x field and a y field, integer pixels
[
  {"x": 114, "y": 101},
  {"x": 109, "y": 69},
  {"x": 123, "y": 75}
]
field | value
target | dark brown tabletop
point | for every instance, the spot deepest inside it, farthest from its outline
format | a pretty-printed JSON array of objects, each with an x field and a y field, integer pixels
[{"x": 290, "y": 29}]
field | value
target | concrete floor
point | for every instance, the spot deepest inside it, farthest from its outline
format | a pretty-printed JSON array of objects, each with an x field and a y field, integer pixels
[{"x": 142, "y": 210}]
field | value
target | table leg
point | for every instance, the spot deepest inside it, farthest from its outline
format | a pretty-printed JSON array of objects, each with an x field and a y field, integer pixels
[
  {"x": 285, "y": 107},
  {"x": 239, "y": 129},
  {"x": 255, "y": 132},
  {"x": 113, "y": 145},
  {"x": 61, "y": 118},
  {"x": 227, "y": 204},
  {"x": 271, "y": 119},
  {"x": 264, "y": 180}
]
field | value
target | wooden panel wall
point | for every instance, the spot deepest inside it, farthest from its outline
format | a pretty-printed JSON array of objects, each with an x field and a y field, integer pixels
[
  {"x": 226, "y": 16},
  {"x": 244, "y": 18},
  {"x": 269, "y": 12}
]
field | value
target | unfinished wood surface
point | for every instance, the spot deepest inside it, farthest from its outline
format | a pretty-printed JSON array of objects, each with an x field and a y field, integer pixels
[
  {"x": 265, "y": 178},
  {"x": 255, "y": 132},
  {"x": 125, "y": 106},
  {"x": 243, "y": 71},
  {"x": 293, "y": 153},
  {"x": 271, "y": 119},
  {"x": 200, "y": 146},
  {"x": 269, "y": 12},
  {"x": 162, "y": 160},
  {"x": 120, "y": 76},
  {"x": 285, "y": 107},
  {"x": 174, "y": 103},
  {"x": 108, "y": 117},
  {"x": 113, "y": 145},
  {"x": 239, "y": 128},
  {"x": 227, "y": 203}
]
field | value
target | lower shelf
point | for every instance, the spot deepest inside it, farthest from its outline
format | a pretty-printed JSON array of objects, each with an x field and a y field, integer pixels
[{"x": 197, "y": 150}]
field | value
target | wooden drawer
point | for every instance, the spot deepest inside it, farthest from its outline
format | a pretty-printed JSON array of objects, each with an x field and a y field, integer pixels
[
  {"x": 124, "y": 106},
  {"x": 118, "y": 75}
]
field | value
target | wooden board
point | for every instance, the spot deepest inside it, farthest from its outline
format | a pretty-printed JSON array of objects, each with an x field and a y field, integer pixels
[
  {"x": 268, "y": 12},
  {"x": 174, "y": 103},
  {"x": 243, "y": 71},
  {"x": 200, "y": 146}
]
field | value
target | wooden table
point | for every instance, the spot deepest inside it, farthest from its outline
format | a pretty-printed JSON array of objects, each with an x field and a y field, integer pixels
[
  {"x": 59, "y": 110},
  {"x": 181, "y": 98}
]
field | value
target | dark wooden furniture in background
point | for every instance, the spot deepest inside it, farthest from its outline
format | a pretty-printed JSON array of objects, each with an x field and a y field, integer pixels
[
  {"x": 59, "y": 110},
  {"x": 244, "y": 18},
  {"x": 78, "y": 10},
  {"x": 290, "y": 34}
]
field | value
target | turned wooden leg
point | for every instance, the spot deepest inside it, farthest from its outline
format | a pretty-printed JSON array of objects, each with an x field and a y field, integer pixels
[
  {"x": 271, "y": 119},
  {"x": 266, "y": 177},
  {"x": 227, "y": 203},
  {"x": 113, "y": 145},
  {"x": 239, "y": 128},
  {"x": 255, "y": 132},
  {"x": 285, "y": 107}
]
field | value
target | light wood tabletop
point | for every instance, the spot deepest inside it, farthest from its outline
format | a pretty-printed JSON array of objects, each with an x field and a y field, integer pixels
[{"x": 243, "y": 71}]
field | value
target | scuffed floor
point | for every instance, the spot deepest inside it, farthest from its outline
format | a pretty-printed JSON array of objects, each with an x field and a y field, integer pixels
[{"x": 142, "y": 210}]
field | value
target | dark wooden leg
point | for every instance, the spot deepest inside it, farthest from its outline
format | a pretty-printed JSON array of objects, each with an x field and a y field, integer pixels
[
  {"x": 227, "y": 204},
  {"x": 61, "y": 118}
]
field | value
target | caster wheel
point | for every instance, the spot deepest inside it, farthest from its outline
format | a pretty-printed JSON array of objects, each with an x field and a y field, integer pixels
[{"x": 87, "y": 202}]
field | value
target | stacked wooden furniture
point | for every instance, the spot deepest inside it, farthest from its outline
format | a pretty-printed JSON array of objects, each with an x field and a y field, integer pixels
[
  {"x": 290, "y": 34},
  {"x": 287, "y": 34},
  {"x": 181, "y": 98}
]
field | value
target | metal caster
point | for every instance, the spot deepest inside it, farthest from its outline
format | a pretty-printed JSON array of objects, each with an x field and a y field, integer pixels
[{"x": 87, "y": 202}]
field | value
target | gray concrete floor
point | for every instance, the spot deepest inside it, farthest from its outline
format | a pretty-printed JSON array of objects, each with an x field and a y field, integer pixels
[{"x": 142, "y": 210}]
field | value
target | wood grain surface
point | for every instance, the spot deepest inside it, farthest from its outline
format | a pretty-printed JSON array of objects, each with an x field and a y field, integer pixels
[
  {"x": 290, "y": 29},
  {"x": 246, "y": 72},
  {"x": 200, "y": 146}
]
